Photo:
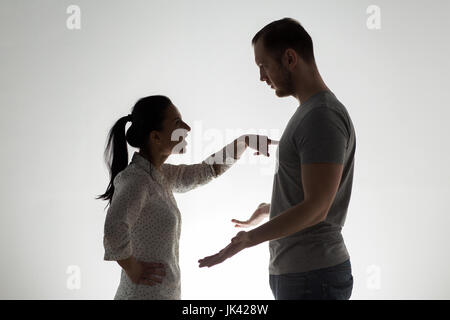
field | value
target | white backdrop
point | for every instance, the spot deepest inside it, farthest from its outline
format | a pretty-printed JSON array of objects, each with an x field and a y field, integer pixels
[{"x": 63, "y": 88}]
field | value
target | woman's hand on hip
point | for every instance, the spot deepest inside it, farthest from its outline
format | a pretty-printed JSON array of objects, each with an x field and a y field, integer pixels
[{"x": 147, "y": 273}]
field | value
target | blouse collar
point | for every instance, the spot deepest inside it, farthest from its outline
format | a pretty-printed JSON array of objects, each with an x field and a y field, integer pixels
[{"x": 148, "y": 167}]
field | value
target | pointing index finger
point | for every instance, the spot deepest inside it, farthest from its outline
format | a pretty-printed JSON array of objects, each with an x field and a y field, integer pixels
[{"x": 274, "y": 142}]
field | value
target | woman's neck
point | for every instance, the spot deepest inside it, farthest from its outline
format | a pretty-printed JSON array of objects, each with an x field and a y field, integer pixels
[{"x": 156, "y": 159}]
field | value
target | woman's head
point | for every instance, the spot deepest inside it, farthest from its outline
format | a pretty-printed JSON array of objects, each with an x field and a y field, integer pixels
[
  {"x": 156, "y": 130},
  {"x": 157, "y": 126}
]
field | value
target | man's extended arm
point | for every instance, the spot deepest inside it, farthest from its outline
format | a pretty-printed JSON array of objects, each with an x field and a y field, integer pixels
[{"x": 320, "y": 183}]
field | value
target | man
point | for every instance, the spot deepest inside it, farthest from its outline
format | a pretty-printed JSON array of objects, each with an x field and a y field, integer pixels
[{"x": 313, "y": 182}]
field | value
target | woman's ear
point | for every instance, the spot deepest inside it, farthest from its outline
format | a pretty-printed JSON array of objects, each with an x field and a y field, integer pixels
[{"x": 155, "y": 138}]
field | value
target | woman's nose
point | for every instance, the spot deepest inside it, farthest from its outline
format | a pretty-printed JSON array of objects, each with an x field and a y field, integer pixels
[
  {"x": 262, "y": 76},
  {"x": 186, "y": 126}
]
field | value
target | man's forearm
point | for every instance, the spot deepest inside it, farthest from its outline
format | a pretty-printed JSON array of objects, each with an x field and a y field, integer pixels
[{"x": 299, "y": 217}]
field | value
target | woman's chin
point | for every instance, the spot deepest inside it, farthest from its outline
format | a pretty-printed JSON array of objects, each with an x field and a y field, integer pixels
[
  {"x": 180, "y": 151},
  {"x": 179, "y": 148}
]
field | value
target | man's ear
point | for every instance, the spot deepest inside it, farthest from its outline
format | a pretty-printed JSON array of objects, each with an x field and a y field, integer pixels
[{"x": 290, "y": 59}]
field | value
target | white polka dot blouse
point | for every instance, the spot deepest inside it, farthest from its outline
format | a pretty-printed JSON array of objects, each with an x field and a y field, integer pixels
[{"x": 143, "y": 221}]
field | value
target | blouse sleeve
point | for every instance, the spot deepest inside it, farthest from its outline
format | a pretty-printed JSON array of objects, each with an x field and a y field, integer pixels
[
  {"x": 182, "y": 178},
  {"x": 129, "y": 198}
]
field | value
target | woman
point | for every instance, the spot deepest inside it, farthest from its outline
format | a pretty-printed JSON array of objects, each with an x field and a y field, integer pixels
[{"x": 143, "y": 223}]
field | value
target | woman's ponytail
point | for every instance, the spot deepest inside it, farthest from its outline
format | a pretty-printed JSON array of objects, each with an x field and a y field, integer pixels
[{"x": 116, "y": 154}]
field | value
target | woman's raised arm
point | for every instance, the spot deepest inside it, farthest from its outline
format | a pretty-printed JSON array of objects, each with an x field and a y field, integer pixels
[{"x": 183, "y": 177}]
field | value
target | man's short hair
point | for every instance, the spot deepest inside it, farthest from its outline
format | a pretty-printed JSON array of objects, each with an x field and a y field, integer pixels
[{"x": 286, "y": 33}]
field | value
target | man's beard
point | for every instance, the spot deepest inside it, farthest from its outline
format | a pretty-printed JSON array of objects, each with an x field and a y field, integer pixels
[{"x": 286, "y": 87}]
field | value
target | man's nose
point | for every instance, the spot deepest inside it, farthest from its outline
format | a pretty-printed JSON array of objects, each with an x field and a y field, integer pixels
[{"x": 186, "y": 126}]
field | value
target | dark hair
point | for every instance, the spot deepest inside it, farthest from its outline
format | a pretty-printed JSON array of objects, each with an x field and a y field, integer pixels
[
  {"x": 286, "y": 33},
  {"x": 147, "y": 115}
]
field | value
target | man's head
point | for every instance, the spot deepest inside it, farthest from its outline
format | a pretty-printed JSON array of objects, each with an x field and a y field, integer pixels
[{"x": 284, "y": 54}]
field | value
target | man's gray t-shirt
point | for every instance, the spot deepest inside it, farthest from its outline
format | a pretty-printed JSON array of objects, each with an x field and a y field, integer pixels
[{"x": 319, "y": 131}]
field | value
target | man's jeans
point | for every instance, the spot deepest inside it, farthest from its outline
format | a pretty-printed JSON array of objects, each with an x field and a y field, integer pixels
[{"x": 332, "y": 283}]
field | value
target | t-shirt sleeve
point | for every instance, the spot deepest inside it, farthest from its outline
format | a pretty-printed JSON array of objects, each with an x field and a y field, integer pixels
[{"x": 322, "y": 136}]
